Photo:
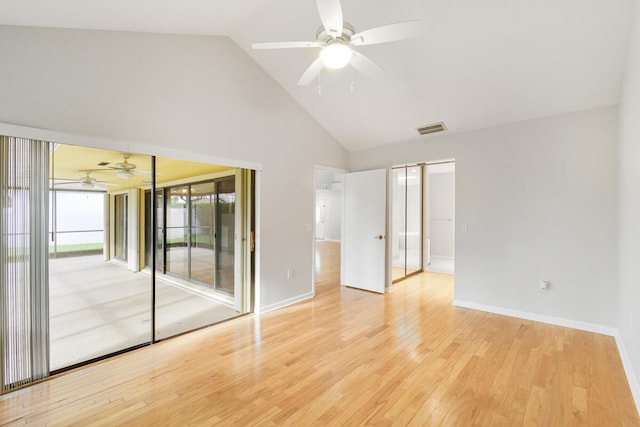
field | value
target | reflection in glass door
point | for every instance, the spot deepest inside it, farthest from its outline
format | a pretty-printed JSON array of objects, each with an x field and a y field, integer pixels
[{"x": 407, "y": 225}]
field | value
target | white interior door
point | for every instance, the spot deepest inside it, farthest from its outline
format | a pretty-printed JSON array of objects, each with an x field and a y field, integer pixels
[{"x": 365, "y": 221}]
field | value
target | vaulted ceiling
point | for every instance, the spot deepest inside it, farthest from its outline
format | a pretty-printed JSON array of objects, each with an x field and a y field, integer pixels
[{"x": 477, "y": 63}]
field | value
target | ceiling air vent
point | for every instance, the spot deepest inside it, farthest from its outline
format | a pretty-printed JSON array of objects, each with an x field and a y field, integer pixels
[{"x": 436, "y": 127}]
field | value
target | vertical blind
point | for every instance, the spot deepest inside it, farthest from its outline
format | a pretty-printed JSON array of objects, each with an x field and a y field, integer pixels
[{"x": 24, "y": 222}]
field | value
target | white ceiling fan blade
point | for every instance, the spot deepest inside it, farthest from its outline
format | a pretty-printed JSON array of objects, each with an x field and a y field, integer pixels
[
  {"x": 285, "y": 45},
  {"x": 387, "y": 33},
  {"x": 331, "y": 16},
  {"x": 311, "y": 72},
  {"x": 365, "y": 65}
]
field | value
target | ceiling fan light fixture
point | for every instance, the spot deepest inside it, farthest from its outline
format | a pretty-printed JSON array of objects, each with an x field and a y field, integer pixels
[{"x": 336, "y": 55}]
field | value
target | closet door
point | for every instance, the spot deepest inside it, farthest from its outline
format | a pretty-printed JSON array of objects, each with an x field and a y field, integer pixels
[{"x": 406, "y": 221}]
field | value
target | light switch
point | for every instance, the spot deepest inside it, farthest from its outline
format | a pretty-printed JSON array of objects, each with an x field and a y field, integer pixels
[{"x": 464, "y": 227}]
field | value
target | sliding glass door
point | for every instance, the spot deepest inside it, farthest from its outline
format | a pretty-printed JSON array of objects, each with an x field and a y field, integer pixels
[
  {"x": 97, "y": 306},
  {"x": 206, "y": 277},
  {"x": 81, "y": 229},
  {"x": 407, "y": 221},
  {"x": 200, "y": 233}
]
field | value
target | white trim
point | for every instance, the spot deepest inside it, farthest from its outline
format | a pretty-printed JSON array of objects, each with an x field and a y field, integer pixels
[
  {"x": 120, "y": 145},
  {"x": 567, "y": 323},
  {"x": 257, "y": 249},
  {"x": 634, "y": 385},
  {"x": 287, "y": 302}
]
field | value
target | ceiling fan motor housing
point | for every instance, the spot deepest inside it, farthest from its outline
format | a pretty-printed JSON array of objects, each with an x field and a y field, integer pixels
[{"x": 347, "y": 31}]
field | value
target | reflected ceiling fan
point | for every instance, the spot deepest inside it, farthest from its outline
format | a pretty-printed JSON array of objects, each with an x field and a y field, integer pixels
[
  {"x": 87, "y": 181},
  {"x": 337, "y": 40},
  {"x": 125, "y": 169}
]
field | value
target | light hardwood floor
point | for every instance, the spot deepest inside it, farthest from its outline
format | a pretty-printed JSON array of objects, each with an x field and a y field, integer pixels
[{"x": 349, "y": 357}]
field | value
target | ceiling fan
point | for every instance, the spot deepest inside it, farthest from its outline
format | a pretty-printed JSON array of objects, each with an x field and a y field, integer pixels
[
  {"x": 125, "y": 169},
  {"x": 87, "y": 181},
  {"x": 337, "y": 40}
]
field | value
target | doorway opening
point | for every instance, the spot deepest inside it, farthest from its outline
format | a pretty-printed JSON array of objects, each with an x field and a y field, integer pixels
[{"x": 328, "y": 223}]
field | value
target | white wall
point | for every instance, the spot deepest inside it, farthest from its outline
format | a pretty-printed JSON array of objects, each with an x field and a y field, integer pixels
[
  {"x": 201, "y": 97},
  {"x": 629, "y": 206},
  {"x": 539, "y": 198}
]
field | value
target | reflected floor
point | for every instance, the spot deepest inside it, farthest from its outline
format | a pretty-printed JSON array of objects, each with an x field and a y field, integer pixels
[{"x": 99, "y": 307}]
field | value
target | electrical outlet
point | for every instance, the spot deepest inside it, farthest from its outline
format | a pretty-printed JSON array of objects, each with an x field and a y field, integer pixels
[
  {"x": 289, "y": 273},
  {"x": 545, "y": 285}
]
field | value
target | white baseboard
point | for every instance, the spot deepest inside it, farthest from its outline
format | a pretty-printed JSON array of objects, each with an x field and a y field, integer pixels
[
  {"x": 285, "y": 303},
  {"x": 558, "y": 321},
  {"x": 574, "y": 324},
  {"x": 634, "y": 385}
]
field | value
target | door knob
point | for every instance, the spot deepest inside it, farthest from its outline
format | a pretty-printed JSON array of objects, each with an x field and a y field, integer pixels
[{"x": 379, "y": 237}]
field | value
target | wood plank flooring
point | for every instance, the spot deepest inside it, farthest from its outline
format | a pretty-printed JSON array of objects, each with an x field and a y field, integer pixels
[{"x": 349, "y": 357}]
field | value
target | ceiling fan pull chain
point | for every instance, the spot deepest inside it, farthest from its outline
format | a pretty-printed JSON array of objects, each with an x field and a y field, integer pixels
[
  {"x": 352, "y": 84},
  {"x": 319, "y": 84}
]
